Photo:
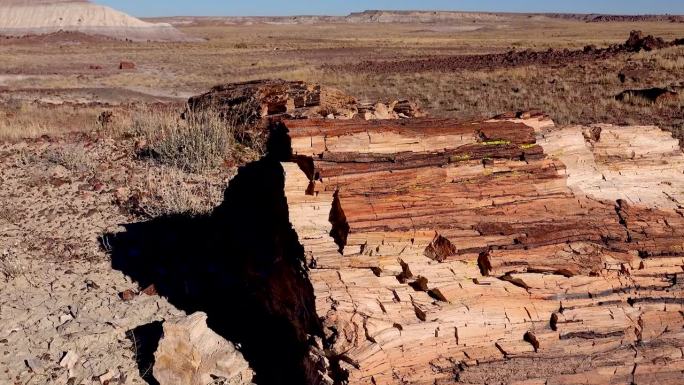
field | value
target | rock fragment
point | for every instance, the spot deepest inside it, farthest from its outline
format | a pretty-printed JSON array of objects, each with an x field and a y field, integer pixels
[
  {"x": 35, "y": 365},
  {"x": 107, "y": 377},
  {"x": 126, "y": 65},
  {"x": 638, "y": 42},
  {"x": 150, "y": 290},
  {"x": 127, "y": 295},
  {"x": 69, "y": 362},
  {"x": 190, "y": 353}
]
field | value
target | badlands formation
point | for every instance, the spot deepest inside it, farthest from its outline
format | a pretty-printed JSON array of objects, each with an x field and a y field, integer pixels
[
  {"x": 436, "y": 251},
  {"x": 31, "y": 17}
]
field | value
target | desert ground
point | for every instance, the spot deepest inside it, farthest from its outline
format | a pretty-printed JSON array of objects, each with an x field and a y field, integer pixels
[
  {"x": 92, "y": 143},
  {"x": 64, "y": 71}
]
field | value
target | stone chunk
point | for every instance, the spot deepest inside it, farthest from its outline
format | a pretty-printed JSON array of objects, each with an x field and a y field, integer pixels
[
  {"x": 69, "y": 361},
  {"x": 126, "y": 65},
  {"x": 190, "y": 353}
]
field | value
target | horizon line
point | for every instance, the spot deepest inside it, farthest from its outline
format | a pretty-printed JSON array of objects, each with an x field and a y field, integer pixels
[{"x": 421, "y": 10}]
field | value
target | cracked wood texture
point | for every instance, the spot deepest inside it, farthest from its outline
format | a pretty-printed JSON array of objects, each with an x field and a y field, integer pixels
[{"x": 506, "y": 251}]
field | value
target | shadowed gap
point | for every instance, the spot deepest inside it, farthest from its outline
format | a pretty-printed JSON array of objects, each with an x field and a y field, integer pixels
[{"x": 243, "y": 265}]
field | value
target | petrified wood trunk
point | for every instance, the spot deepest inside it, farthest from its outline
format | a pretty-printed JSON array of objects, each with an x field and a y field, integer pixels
[
  {"x": 248, "y": 102},
  {"x": 505, "y": 251},
  {"x": 275, "y": 97}
]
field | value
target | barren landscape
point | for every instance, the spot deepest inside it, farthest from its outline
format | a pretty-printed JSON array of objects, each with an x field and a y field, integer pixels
[{"x": 381, "y": 198}]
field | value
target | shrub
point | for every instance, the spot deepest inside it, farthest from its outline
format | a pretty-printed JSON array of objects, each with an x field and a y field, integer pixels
[
  {"x": 169, "y": 192},
  {"x": 72, "y": 157},
  {"x": 202, "y": 141},
  {"x": 11, "y": 265}
]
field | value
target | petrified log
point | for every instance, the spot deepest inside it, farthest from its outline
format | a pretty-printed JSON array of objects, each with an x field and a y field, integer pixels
[
  {"x": 634, "y": 74},
  {"x": 408, "y": 109},
  {"x": 250, "y": 101},
  {"x": 507, "y": 251},
  {"x": 652, "y": 95},
  {"x": 126, "y": 65},
  {"x": 637, "y": 42},
  {"x": 190, "y": 353},
  {"x": 257, "y": 99}
]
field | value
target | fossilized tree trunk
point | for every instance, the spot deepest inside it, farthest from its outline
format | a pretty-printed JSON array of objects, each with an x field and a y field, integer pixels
[{"x": 491, "y": 252}]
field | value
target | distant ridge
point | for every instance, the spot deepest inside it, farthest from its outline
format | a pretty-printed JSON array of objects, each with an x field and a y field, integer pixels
[
  {"x": 31, "y": 17},
  {"x": 384, "y": 16},
  {"x": 380, "y": 16},
  {"x": 371, "y": 16},
  {"x": 598, "y": 17}
]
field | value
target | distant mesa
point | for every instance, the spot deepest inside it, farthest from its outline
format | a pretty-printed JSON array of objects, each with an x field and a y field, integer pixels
[
  {"x": 384, "y": 16},
  {"x": 37, "y": 17},
  {"x": 408, "y": 16},
  {"x": 364, "y": 17}
]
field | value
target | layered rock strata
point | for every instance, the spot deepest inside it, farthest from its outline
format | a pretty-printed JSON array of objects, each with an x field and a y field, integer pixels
[{"x": 506, "y": 251}]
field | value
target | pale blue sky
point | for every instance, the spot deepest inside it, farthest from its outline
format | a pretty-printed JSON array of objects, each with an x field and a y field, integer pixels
[{"x": 342, "y": 7}]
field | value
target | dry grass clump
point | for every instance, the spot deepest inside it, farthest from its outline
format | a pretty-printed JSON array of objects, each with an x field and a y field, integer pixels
[
  {"x": 202, "y": 141},
  {"x": 168, "y": 191},
  {"x": 73, "y": 157},
  {"x": 671, "y": 59},
  {"x": 21, "y": 119},
  {"x": 117, "y": 123},
  {"x": 172, "y": 194},
  {"x": 11, "y": 265}
]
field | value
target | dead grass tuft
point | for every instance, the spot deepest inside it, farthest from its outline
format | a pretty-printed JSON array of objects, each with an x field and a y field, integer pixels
[
  {"x": 168, "y": 191},
  {"x": 202, "y": 141},
  {"x": 11, "y": 265},
  {"x": 72, "y": 157},
  {"x": 21, "y": 119}
]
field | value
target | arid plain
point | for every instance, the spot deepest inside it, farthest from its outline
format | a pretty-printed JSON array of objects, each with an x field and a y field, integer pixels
[{"x": 77, "y": 69}]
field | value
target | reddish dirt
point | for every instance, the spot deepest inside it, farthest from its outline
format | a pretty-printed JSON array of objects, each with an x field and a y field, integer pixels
[{"x": 636, "y": 42}]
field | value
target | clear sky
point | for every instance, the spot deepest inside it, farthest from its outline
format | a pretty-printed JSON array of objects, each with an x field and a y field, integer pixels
[{"x": 342, "y": 7}]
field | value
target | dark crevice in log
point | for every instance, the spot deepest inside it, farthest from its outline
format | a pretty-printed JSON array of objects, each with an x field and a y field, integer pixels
[
  {"x": 618, "y": 210},
  {"x": 590, "y": 335},
  {"x": 440, "y": 249},
  {"x": 340, "y": 227}
]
